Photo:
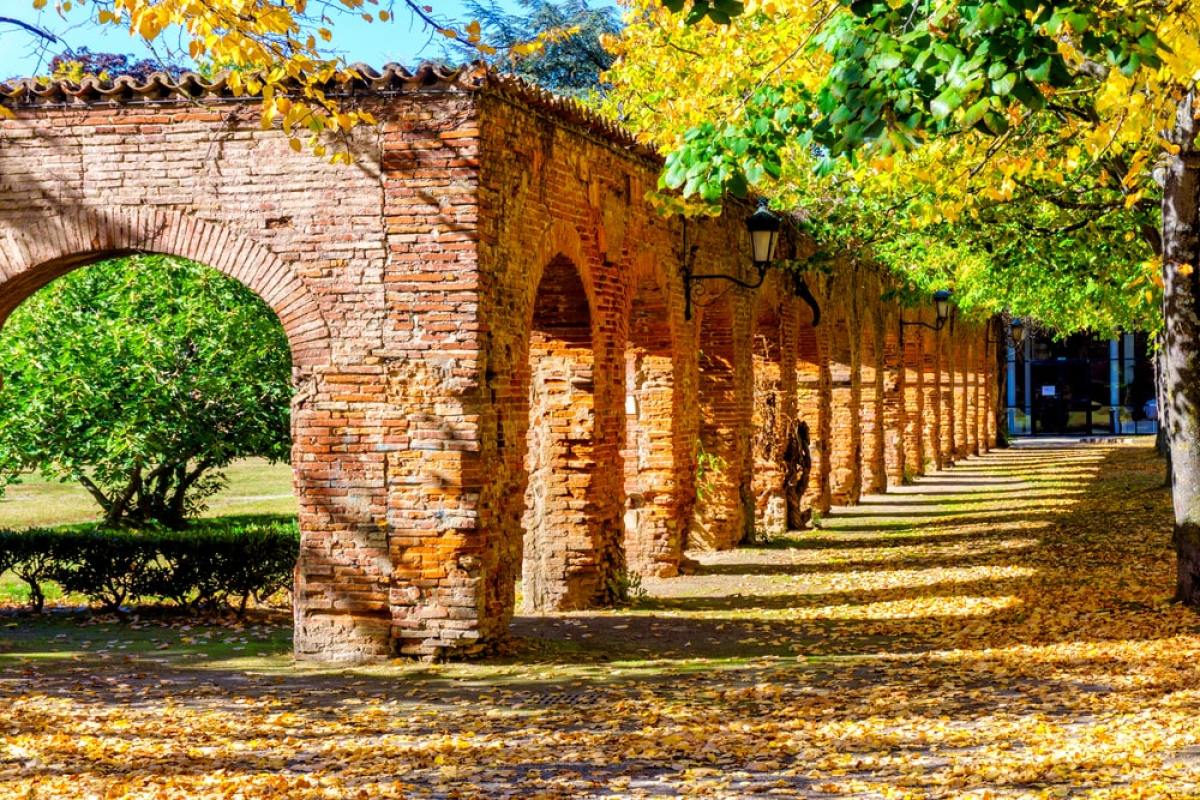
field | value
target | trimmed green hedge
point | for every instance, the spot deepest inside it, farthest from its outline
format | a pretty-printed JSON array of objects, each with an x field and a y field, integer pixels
[{"x": 209, "y": 565}]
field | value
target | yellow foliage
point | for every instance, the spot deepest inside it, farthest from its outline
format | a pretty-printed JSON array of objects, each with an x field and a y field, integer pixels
[{"x": 661, "y": 61}]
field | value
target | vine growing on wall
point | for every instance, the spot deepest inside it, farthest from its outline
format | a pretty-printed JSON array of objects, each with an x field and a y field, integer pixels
[{"x": 709, "y": 467}]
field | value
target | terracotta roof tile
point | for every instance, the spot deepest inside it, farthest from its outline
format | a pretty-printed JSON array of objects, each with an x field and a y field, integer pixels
[{"x": 390, "y": 79}]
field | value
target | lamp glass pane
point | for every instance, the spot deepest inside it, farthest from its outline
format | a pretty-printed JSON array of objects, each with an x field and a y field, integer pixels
[{"x": 761, "y": 241}]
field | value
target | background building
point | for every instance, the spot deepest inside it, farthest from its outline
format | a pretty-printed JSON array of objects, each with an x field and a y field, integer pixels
[{"x": 1081, "y": 385}]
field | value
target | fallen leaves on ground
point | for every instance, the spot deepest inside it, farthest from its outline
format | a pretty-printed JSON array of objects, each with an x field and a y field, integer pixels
[{"x": 1002, "y": 629}]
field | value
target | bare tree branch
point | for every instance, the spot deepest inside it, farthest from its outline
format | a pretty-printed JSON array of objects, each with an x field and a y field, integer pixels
[{"x": 34, "y": 30}]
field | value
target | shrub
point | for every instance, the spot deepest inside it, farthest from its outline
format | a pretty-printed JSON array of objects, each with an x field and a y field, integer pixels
[
  {"x": 210, "y": 564},
  {"x": 108, "y": 566},
  {"x": 29, "y": 554}
]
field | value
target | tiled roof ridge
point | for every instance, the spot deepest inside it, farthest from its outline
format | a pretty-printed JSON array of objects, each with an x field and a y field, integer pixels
[
  {"x": 391, "y": 78},
  {"x": 193, "y": 85}
]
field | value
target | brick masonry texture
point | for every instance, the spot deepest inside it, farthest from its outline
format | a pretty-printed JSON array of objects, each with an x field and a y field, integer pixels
[{"x": 497, "y": 391}]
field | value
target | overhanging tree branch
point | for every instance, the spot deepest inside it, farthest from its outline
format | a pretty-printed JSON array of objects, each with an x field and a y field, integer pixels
[{"x": 33, "y": 30}]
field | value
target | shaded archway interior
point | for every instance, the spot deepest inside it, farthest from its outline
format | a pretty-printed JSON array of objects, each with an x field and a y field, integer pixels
[{"x": 558, "y": 569}]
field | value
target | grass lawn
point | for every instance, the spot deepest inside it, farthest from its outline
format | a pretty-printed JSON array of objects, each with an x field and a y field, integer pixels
[{"x": 256, "y": 488}]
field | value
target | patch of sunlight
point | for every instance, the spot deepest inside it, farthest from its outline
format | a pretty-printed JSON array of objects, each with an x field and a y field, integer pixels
[
  {"x": 857, "y": 582},
  {"x": 910, "y": 608},
  {"x": 901, "y": 553},
  {"x": 45, "y": 655},
  {"x": 484, "y": 674},
  {"x": 952, "y": 528}
]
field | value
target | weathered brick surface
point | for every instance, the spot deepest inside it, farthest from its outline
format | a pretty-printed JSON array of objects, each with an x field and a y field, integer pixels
[
  {"x": 871, "y": 372},
  {"x": 896, "y": 425},
  {"x": 495, "y": 380}
]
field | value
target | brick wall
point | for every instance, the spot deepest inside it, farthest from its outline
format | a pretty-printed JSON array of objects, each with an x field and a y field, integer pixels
[{"x": 496, "y": 381}]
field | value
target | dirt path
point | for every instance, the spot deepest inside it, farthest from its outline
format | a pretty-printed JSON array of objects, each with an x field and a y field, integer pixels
[{"x": 1001, "y": 629}]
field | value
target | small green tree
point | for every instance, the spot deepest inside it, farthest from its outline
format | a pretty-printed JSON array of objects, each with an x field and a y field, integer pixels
[{"x": 140, "y": 378}]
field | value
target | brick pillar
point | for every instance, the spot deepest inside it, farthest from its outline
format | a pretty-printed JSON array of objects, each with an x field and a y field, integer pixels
[
  {"x": 874, "y": 474},
  {"x": 981, "y": 395},
  {"x": 789, "y": 409},
  {"x": 572, "y": 519},
  {"x": 342, "y": 609},
  {"x": 774, "y": 361},
  {"x": 946, "y": 393},
  {"x": 559, "y": 569},
  {"x": 845, "y": 477},
  {"x": 812, "y": 402},
  {"x": 971, "y": 391},
  {"x": 895, "y": 399},
  {"x": 445, "y": 595},
  {"x": 915, "y": 392},
  {"x": 653, "y": 415},
  {"x": 823, "y": 437},
  {"x": 724, "y": 507},
  {"x": 935, "y": 381},
  {"x": 993, "y": 388},
  {"x": 960, "y": 341}
]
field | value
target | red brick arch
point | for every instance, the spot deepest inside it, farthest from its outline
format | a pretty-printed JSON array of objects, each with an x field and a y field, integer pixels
[
  {"x": 33, "y": 255},
  {"x": 561, "y": 240}
]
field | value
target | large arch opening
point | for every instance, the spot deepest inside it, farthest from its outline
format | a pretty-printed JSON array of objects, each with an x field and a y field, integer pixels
[
  {"x": 343, "y": 608},
  {"x": 146, "y": 392},
  {"x": 653, "y": 449},
  {"x": 774, "y": 414},
  {"x": 813, "y": 409},
  {"x": 559, "y": 570}
]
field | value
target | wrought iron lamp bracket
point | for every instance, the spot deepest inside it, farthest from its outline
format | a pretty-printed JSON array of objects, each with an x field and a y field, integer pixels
[
  {"x": 937, "y": 326},
  {"x": 695, "y": 286}
]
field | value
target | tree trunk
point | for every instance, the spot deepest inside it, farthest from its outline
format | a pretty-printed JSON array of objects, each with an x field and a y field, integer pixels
[
  {"x": 118, "y": 508},
  {"x": 797, "y": 459},
  {"x": 1161, "y": 445},
  {"x": 1181, "y": 344}
]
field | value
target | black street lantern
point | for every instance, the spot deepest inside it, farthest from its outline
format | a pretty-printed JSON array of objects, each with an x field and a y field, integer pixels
[
  {"x": 764, "y": 235},
  {"x": 1016, "y": 334},
  {"x": 941, "y": 308},
  {"x": 1017, "y": 331},
  {"x": 764, "y": 228},
  {"x": 941, "y": 303}
]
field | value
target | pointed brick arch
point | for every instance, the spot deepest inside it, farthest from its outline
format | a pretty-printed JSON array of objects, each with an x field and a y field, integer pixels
[
  {"x": 560, "y": 569},
  {"x": 561, "y": 240},
  {"x": 33, "y": 255}
]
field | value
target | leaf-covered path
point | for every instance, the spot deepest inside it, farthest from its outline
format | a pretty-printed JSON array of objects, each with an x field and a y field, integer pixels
[{"x": 1001, "y": 629}]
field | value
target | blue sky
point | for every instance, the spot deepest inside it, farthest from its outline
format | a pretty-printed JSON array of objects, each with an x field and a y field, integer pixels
[{"x": 403, "y": 40}]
